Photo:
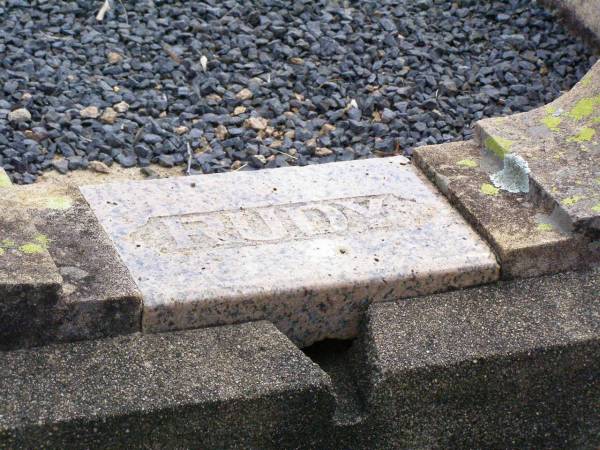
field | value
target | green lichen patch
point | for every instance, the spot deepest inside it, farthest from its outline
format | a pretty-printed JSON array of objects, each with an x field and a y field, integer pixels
[
  {"x": 58, "y": 202},
  {"x": 570, "y": 201},
  {"x": 469, "y": 163},
  {"x": 4, "y": 180},
  {"x": 596, "y": 208},
  {"x": 545, "y": 227},
  {"x": 498, "y": 145},
  {"x": 584, "y": 108},
  {"x": 42, "y": 240},
  {"x": 552, "y": 122},
  {"x": 586, "y": 80},
  {"x": 489, "y": 189},
  {"x": 31, "y": 248},
  {"x": 7, "y": 243},
  {"x": 39, "y": 244},
  {"x": 585, "y": 134}
]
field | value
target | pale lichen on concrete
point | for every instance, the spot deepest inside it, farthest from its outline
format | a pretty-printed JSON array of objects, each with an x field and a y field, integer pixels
[
  {"x": 570, "y": 201},
  {"x": 59, "y": 202},
  {"x": 552, "y": 122},
  {"x": 514, "y": 177},
  {"x": 4, "y": 180},
  {"x": 584, "y": 108},
  {"x": 545, "y": 227},
  {"x": 39, "y": 244}
]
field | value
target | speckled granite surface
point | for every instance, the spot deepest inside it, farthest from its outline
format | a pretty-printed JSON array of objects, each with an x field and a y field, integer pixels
[
  {"x": 305, "y": 248},
  {"x": 561, "y": 144}
]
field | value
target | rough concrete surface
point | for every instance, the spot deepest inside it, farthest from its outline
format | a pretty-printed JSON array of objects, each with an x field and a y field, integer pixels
[
  {"x": 29, "y": 279},
  {"x": 526, "y": 238},
  {"x": 511, "y": 365},
  {"x": 508, "y": 365},
  {"x": 561, "y": 144},
  {"x": 307, "y": 248},
  {"x": 243, "y": 386},
  {"x": 98, "y": 297}
]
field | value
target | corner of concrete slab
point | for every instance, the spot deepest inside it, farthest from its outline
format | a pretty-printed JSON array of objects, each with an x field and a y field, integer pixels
[
  {"x": 95, "y": 295},
  {"x": 241, "y": 386},
  {"x": 526, "y": 237},
  {"x": 29, "y": 280},
  {"x": 509, "y": 365}
]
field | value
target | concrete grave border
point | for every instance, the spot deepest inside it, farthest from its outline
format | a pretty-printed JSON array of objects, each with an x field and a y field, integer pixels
[{"x": 509, "y": 364}]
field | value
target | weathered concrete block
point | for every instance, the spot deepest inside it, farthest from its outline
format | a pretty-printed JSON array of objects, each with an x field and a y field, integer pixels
[
  {"x": 306, "y": 248},
  {"x": 528, "y": 240},
  {"x": 561, "y": 144},
  {"x": 98, "y": 298},
  {"x": 29, "y": 279},
  {"x": 510, "y": 365},
  {"x": 244, "y": 386}
]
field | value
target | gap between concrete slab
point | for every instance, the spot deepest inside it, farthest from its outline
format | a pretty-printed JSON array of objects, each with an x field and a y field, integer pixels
[{"x": 338, "y": 359}]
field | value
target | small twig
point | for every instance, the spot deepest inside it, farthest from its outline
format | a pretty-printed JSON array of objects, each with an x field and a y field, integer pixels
[
  {"x": 189, "y": 161},
  {"x": 241, "y": 167},
  {"x": 123, "y": 6},
  {"x": 103, "y": 10},
  {"x": 172, "y": 54},
  {"x": 284, "y": 153}
]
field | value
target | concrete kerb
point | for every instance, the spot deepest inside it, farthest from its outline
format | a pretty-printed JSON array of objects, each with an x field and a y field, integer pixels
[
  {"x": 510, "y": 364},
  {"x": 96, "y": 296},
  {"x": 244, "y": 385}
]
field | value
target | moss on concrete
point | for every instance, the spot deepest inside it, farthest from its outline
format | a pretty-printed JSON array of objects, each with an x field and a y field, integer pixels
[
  {"x": 489, "y": 189},
  {"x": 585, "y": 134},
  {"x": 467, "y": 162},
  {"x": 552, "y": 122},
  {"x": 4, "y": 179},
  {"x": 584, "y": 108},
  {"x": 498, "y": 145}
]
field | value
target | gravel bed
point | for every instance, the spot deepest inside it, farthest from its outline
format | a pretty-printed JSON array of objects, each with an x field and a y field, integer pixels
[{"x": 241, "y": 85}]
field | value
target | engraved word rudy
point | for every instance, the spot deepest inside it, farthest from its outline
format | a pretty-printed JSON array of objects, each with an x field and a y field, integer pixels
[{"x": 276, "y": 223}]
